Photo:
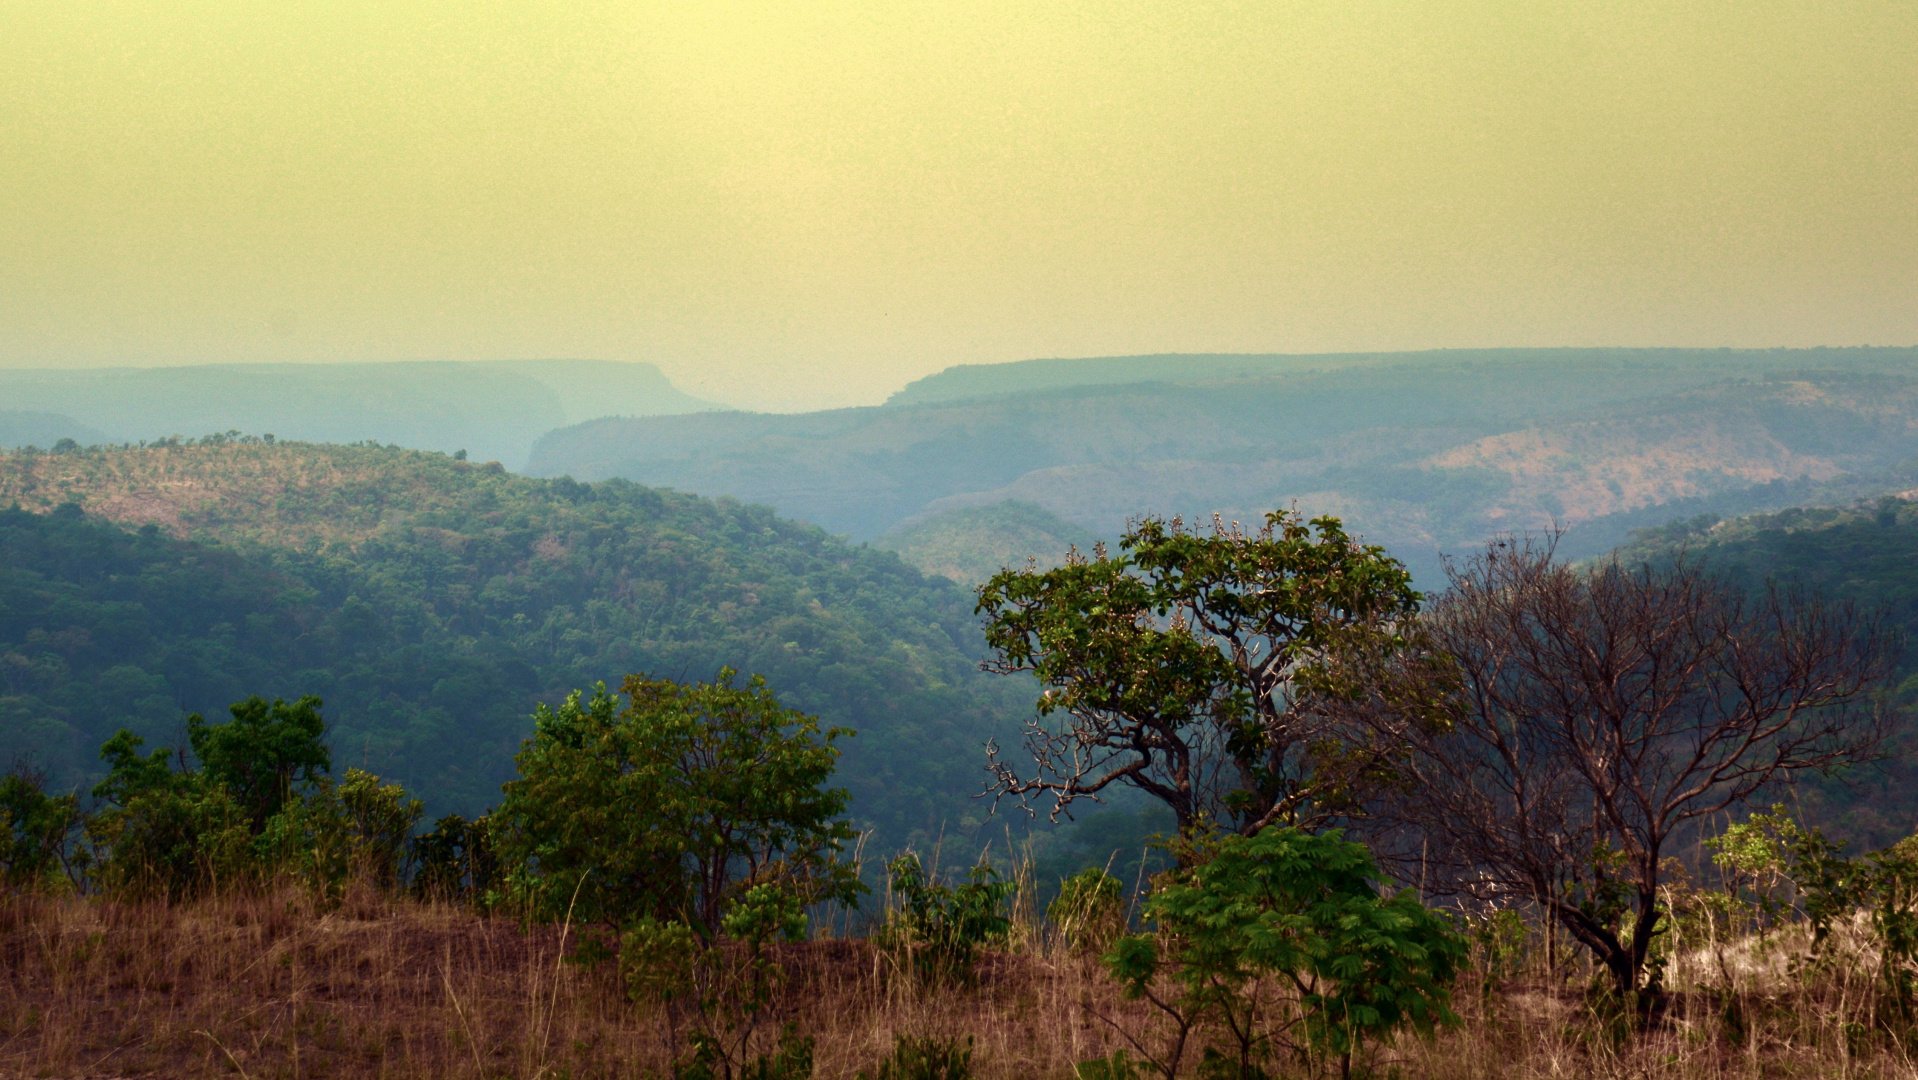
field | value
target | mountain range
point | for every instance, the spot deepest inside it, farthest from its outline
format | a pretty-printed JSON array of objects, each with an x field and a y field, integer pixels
[
  {"x": 491, "y": 410},
  {"x": 1426, "y": 453}
]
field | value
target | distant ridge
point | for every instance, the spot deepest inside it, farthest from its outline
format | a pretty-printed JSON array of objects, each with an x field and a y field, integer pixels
[
  {"x": 1428, "y": 453},
  {"x": 20, "y": 427},
  {"x": 964, "y": 381},
  {"x": 494, "y": 410}
]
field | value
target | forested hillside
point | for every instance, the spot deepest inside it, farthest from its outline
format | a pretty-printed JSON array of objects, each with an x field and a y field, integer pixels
[
  {"x": 971, "y": 543},
  {"x": 1425, "y": 453},
  {"x": 433, "y": 602},
  {"x": 1864, "y": 554}
]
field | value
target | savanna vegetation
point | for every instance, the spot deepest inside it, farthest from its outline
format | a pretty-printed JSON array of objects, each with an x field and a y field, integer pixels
[{"x": 1540, "y": 825}]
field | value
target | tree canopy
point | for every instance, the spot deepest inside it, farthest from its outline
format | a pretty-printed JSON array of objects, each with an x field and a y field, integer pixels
[
  {"x": 1191, "y": 666},
  {"x": 669, "y": 805}
]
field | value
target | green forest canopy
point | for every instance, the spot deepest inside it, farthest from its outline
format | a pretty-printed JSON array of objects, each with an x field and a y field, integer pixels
[{"x": 432, "y": 603}]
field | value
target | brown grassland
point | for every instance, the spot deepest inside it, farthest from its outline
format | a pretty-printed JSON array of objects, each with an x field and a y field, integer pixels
[{"x": 269, "y": 983}]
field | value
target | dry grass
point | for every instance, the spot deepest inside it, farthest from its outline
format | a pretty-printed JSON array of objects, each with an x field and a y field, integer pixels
[{"x": 269, "y": 985}]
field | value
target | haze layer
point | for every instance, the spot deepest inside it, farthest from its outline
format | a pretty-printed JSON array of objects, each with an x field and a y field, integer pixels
[{"x": 800, "y": 205}]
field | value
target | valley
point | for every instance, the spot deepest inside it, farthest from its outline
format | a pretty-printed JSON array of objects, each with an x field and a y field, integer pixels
[{"x": 1427, "y": 453}]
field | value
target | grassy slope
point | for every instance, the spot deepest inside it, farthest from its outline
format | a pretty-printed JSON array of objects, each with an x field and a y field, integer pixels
[{"x": 277, "y": 985}]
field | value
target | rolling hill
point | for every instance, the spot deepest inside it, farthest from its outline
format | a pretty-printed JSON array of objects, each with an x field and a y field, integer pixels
[
  {"x": 1425, "y": 453},
  {"x": 970, "y": 544},
  {"x": 1864, "y": 554}
]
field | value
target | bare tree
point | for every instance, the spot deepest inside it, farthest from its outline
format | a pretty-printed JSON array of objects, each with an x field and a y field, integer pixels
[{"x": 1596, "y": 713}]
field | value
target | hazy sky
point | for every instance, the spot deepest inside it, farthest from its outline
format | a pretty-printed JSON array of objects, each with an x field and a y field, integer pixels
[{"x": 798, "y": 204}]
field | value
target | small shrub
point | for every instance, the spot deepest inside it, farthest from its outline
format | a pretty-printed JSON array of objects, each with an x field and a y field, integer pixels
[
  {"x": 925, "y": 1058},
  {"x": 1291, "y": 909},
  {"x": 1498, "y": 947},
  {"x": 790, "y": 1059},
  {"x": 939, "y": 928},
  {"x": 454, "y": 861},
  {"x": 1088, "y": 912},
  {"x": 1118, "y": 1065},
  {"x": 723, "y": 987}
]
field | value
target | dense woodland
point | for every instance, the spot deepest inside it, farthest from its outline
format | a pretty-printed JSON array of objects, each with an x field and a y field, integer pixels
[{"x": 431, "y": 603}]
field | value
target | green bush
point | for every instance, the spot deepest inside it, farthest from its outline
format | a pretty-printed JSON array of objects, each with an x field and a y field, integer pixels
[
  {"x": 1292, "y": 911},
  {"x": 357, "y": 829},
  {"x": 673, "y": 805},
  {"x": 35, "y": 830},
  {"x": 259, "y": 804},
  {"x": 925, "y": 1058},
  {"x": 162, "y": 832},
  {"x": 938, "y": 928}
]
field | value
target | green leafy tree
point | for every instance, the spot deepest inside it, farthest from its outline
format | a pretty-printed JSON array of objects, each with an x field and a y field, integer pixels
[
  {"x": 35, "y": 830},
  {"x": 265, "y": 755},
  {"x": 670, "y": 805},
  {"x": 164, "y": 831},
  {"x": 1282, "y": 940},
  {"x": 1190, "y": 666}
]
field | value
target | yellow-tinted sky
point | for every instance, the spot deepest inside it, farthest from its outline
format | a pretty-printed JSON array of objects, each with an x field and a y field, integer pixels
[{"x": 796, "y": 204}]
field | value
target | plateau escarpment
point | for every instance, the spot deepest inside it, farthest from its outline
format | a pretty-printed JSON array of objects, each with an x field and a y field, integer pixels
[{"x": 1426, "y": 453}]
